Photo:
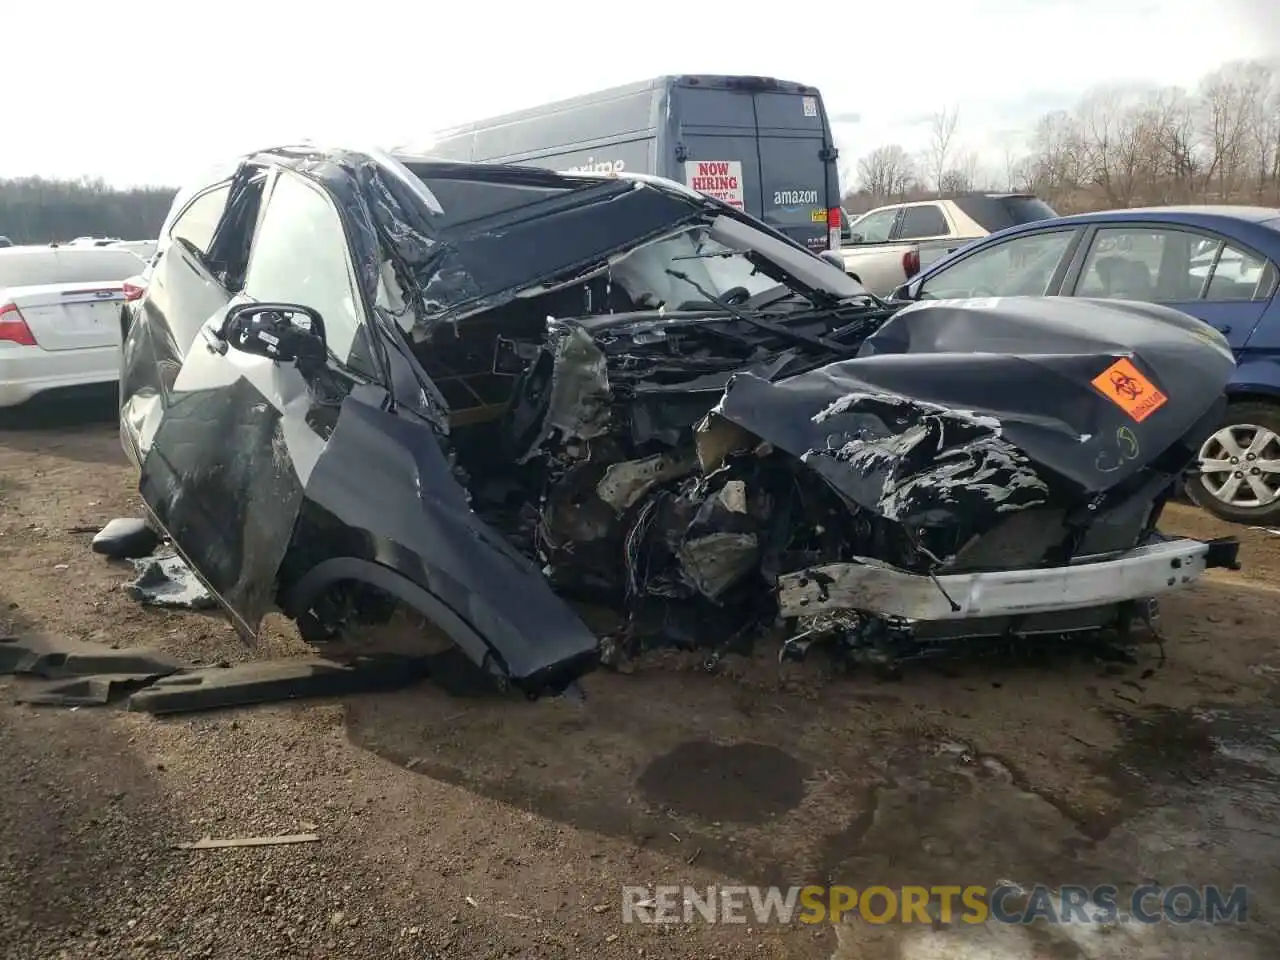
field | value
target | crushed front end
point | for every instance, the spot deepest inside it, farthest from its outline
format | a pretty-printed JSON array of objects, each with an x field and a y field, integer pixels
[{"x": 982, "y": 469}]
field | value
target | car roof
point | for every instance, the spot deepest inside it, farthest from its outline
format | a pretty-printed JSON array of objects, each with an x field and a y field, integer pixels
[
  {"x": 1261, "y": 224},
  {"x": 1253, "y": 225},
  {"x": 1194, "y": 212},
  {"x": 32, "y": 265}
]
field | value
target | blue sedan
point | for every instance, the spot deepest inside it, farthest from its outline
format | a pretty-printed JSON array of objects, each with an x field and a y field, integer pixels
[{"x": 1218, "y": 264}]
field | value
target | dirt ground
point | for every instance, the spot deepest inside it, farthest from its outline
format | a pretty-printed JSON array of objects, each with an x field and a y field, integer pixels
[{"x": 476, "y": 826}]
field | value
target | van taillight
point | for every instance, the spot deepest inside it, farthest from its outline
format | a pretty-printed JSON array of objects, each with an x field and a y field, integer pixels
[
  {"x": 911, "y": 263},
  {"x": 13, "y": 327},
  {"x": 833, "y": 228},
  {"x": 133, "y": 291}
]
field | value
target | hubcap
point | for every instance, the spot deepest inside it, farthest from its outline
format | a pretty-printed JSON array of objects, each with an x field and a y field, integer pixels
[{"x": 1240, "y": 466}]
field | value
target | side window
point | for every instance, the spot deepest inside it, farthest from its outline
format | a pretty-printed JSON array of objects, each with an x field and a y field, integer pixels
[
  {"x": 229, "y": 255},
  {"x": 1139, "y": 263},
  {"x": 874, "y": 227},
  {"x": 1020, "y": 267},
  {"x": 197, "y": 223},
  {"x": 1236, "y": 276},
  {"x": 925, "y": 220},
  {"x": 300, "y": 256}
]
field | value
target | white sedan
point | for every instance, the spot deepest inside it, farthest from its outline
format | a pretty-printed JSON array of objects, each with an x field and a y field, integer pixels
[{"x": 59, "y": 318}]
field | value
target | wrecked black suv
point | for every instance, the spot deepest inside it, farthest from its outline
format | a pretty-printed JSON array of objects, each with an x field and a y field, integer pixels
[{"x": 359, "y": 381}]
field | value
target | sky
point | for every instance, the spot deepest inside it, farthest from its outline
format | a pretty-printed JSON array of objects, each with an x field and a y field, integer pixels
[{"x": 155, "y": 94}]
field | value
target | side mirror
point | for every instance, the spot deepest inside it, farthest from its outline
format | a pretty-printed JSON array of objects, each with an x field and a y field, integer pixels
[
  {"x": 855, "y": 238},
  {"x": 833, "y": 258},
  {"x": 283, "y": 332},
  {"x": 907, "y": 291}
]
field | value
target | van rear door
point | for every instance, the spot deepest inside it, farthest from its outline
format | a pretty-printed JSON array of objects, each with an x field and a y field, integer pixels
[
  {"x": 717, "y": 144},
  {"x": 762, "y": 145},
  {"x": 797, "y": 166}
]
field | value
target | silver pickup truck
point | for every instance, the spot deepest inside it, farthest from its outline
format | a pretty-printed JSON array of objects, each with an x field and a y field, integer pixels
[{"x": 887, "y": 246}]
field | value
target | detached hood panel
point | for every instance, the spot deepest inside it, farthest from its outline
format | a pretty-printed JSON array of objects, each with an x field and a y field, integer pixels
[{"x": 993, "y": 405}]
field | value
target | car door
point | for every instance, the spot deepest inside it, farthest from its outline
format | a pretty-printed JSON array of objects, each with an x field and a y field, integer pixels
[
  {"x": 1029, "y": 264},
  {"x": 240, "y": 434},
  {"x": 1208, "y": 276},
  {"x": 926, "y": 225},
  {"x": 874, "y": 227},
  {"x": 181, "y": 294}
]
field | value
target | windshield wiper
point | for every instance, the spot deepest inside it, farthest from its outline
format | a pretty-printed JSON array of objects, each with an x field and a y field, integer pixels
[
  {"x": 708, "y": 256},
  {"x": 774, "y": 328}
]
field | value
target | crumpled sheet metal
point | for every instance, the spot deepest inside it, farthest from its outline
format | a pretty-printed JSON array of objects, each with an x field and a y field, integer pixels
[
  {"x": 1031, "y": 364},
  {"x": 446, "y": 272},
  {"x": 580, "y": 398},
  {"x": 929, "y": 422},
  {"x": 910, "y": 462}
]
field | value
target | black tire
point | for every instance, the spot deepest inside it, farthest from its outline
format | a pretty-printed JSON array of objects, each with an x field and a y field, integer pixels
[{"x": 1261, "y": 414}]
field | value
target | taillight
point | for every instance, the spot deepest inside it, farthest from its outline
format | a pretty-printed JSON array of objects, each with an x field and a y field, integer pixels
[
  {"x": 13, "y": 327},
  {"x": 911, "y": 263},
  {"x": 133, "y": 291},
  {"x": 833, "y": 228}
]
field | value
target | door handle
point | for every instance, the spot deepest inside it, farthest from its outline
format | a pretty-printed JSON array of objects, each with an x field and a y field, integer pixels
[{"x": 212, "y": 342}]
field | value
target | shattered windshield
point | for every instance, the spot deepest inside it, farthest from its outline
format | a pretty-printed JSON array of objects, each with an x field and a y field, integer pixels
[{"x": 687, "y": 270}]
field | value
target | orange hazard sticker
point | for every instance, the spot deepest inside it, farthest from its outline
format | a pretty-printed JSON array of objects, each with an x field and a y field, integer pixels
[{"x": 1129, "y": 390}]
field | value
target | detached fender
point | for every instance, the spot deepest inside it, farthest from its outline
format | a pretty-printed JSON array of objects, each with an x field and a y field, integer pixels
[
  {"x": 385, "y": 507},
  {"x": 303, "y": 594}
]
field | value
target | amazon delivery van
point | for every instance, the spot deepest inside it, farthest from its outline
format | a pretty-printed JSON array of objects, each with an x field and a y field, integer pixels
[{"x": 760, "y": 144}]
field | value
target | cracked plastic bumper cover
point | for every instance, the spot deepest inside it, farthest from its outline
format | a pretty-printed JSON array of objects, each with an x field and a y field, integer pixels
[{"x": 872, "y": 587}]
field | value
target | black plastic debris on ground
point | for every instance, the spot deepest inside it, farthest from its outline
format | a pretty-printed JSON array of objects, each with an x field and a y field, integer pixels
[
  {"x": 76, "y": 673},
  {"x": 71, "y": 673},
  {"x": 249, "y": 683},
  {"x": 164, "y": 580},
  {"x": 125, "y": 538}
]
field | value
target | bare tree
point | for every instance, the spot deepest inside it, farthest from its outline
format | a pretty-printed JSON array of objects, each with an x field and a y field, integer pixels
[
  {"x": 1124, "y": 146},
  {"x": 1055, "y": 160},
  {"x": 886, "y": 173},
  {"x": 1231, "y": 98},
  {"x": 1015, "y": 165},
  {"x": 1099, "y": 118},
  {"x": 1173, "y": 159},
  {"x": 961, "y": 176},
  {"x": 1261, "y": 83},
  {"x": 942, "y": 134}
]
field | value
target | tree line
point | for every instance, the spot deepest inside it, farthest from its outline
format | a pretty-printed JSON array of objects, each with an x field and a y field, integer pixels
[
  {"x": 1118, "y": 147},
  {"x": 41, "y": 210}
]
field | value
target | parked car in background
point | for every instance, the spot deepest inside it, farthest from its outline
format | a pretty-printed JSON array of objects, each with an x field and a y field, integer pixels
[
  {"x": 145, "y": 249},
  {"x": 759, "y": 144},
  {"x": 1218, "y": 264},
  {"x": 5, "y": 242},
  {"x": 58, "y": 318},
  {"x": 891, "y": 244}
]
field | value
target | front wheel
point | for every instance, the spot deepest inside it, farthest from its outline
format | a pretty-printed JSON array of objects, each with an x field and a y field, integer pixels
[{"x": 1240, "y": 466}]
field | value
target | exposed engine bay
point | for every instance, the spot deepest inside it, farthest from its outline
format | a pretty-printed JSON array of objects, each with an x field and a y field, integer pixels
[{"x": 712, "y": 472}]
